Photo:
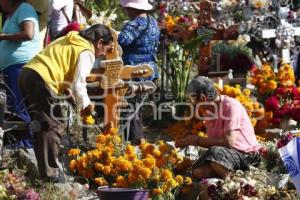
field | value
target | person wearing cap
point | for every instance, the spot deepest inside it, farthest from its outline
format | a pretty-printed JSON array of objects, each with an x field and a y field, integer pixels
[
  {"x": 139, "y": 39},
  {"x": 62, "y": 66},
  {"x": 231, "y": 141}
]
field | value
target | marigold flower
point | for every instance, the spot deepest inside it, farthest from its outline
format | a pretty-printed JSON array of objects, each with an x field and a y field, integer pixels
[
  {"x": 156, "y": 152},
  {"x": 157, "y": 191},
  {"x": 179, "y": 179},
  {"x": 149, "y": 161},
  {"x": 130, "y": 149},
  {"x": 74, "y": 152},
  {"x": 146, "y": 172},
  {"x": 100, "y": 181},
  {"x": 188, "y": 181},
  {"x": 99, "y": 167},
  {"x": 121, "y": 182},
  {"x": 73, "y": 165},
  {"x": 172, "y": 183},
  {"x": 89, "y": 120},
  {"x": 102, "y": 139},
  {"x": 246, "y": 92},
  {"x": 166, "y": 174},
  {"x": 106, "y": 170}
]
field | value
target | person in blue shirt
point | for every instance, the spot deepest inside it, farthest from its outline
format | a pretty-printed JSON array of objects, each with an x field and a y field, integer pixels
[
  {"x": 19, "y": 43},
  {"x": 139, "y": 39}
]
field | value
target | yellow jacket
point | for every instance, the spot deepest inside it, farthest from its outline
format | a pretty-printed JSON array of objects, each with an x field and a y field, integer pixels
[{"x": 56, "y": 64}]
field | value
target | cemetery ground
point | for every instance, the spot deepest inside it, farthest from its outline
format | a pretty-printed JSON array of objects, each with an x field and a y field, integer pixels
[{"x": 25, "y": 173}]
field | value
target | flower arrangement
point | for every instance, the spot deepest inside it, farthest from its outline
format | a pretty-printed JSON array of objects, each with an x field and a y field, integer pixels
[
  {"x": 173, "y": 15},
  {"x": 13, "y": 187},
  {"x": 181, "y": 129},
  {"x": 106, "y": 17},
  {"x": 246, "y": 185},
  {"x": 284, "y": 104},
  {"x": 277, "y": 91},
  {"x": 114, "y": 164},
  {"x": 264, "y": 79},
  {"x": 271, "y": 160}
]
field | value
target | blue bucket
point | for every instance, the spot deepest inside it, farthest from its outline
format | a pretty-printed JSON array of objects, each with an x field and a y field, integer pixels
[{"x": 122, "y": 194}]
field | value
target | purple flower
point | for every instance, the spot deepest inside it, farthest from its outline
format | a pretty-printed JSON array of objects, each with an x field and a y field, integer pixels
[{"x": 30, "y": 195}]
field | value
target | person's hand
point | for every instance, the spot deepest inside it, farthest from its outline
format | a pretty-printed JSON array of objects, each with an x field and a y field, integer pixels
[
  {"x": 89, "y": 110},
  {"x": 188, "y": 140}
]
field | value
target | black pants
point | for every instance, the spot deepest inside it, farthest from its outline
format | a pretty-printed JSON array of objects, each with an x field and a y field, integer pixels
[
  {"x": 45, "y": 108},
  {"x": 136, "y": 125}
]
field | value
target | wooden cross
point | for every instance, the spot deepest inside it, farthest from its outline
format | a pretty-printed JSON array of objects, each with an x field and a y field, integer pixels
[
  {"x": 205, "y": 21},
  {"x": 114, "y": 73}
]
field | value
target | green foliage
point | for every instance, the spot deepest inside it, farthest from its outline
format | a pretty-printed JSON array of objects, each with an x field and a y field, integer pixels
[
  {"x": 182, "y": 56},
  {"x": 231, "y": 50}
]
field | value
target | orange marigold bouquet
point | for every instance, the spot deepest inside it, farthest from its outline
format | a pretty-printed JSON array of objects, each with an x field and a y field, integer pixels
[
  {"x": 181, "y": 129},
  {"x": 266, "y": 80},
  {"x": 113, "y": 163}
]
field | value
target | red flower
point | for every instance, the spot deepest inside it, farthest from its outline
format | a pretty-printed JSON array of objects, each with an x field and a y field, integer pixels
[
  {"x": 73, "y": 26},
  {"x": 286, "y": 109},
  {"x": 295, "y": 93},
  {"x": 280, "y": 91},
  {"x": 295, "y": 113},
  {"x": 284, "y": 141},
  {"x": 275, "y": 120},
  {"x": 263, "y": 151},
  {"x": 254, "y": 70},
  {"x": 272, "y": 104}
]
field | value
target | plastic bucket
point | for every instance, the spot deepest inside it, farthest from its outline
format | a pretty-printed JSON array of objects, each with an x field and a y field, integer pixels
[{"x": 122, "y": 194}]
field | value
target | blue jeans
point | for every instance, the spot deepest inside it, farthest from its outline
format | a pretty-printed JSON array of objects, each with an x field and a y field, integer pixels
[{"x": 15, "y": 102}]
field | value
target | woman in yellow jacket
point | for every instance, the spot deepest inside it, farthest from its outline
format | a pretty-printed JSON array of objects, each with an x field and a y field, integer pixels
[{"x": 63, "y": 64}]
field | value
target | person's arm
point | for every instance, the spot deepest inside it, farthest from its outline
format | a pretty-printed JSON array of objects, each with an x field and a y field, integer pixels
[
  {"x": 26, "y": 33},
  {"x": 84, "y": 66},
  {"x": 128, "y": 34},
  {"x": 231, "y": 117},
  {"x": 227, "y": 141}
]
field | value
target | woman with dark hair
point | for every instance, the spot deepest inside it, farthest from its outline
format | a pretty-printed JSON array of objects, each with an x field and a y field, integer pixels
[
  {"x": 139, "y": 39},
  {"x": 19, "y": 43},
  {"x": 62, "y": 65}
]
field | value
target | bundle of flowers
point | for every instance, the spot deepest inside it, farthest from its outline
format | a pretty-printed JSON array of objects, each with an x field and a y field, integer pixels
[
  {"x": 271, "y": 160},
  {"x": 284, "y": 104},
  {"x": 266, "y": 80},
  {"x": 174, "y": 16},
  {"x": 115, "y": 164},
  {"x": 106, "y": 17},
  {"x": 246, "y": 185},
  {"x": 181, "y": 129},
  {"x": 13, "y": 186},
  {"x": 253, "y": 108}
]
